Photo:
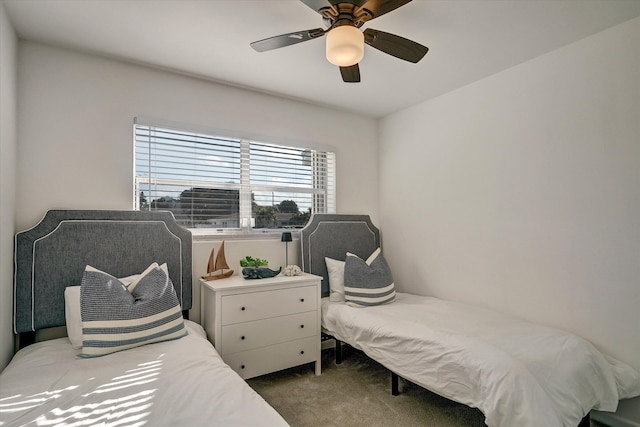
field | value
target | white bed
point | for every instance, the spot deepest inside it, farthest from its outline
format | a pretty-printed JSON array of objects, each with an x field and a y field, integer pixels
[
  {"x": 173, "y": 383},
  {"x": 516, "y": 372},
  {"x": 130, "y": 358}
]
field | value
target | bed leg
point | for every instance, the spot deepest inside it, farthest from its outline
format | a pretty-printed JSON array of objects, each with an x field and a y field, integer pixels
[
  {"x": 338, "y": 352},
  {"x": 585, "y": 422},
  {"x": 394, "y": 384}
]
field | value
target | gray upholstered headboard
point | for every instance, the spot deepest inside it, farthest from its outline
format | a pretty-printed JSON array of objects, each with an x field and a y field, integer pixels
[
  {"x": 332, "y": 235},
  {"x": 53, "y": 255}
]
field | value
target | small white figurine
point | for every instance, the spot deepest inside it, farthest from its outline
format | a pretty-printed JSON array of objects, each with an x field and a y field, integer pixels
[{"x": 292, "y": 270}]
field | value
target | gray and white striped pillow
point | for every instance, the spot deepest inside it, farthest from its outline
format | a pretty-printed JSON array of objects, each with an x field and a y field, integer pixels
[
  {"x": 115, "y": 318},
  {"x": 368, "y": 283}
]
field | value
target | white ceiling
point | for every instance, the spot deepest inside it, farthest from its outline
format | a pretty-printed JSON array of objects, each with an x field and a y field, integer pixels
[{"x": 468, "y": 40}]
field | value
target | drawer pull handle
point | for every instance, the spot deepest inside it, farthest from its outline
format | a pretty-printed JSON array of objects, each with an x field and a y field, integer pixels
[
  {"x": 301, "y": 299},
  {"x": 301, "y": 326},
  {"x": 301, "y": 351},
  {"x": 242, "y": 308},
  {"x": 242, "y": 337}
]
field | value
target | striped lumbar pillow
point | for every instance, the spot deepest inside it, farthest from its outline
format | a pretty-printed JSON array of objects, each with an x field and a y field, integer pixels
[
  {"x": 369, "y": 282},
  {"x": 115, "y": 318}
]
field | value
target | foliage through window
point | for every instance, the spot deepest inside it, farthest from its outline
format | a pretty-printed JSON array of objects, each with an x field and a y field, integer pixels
[{"x": 230, "y": 183}]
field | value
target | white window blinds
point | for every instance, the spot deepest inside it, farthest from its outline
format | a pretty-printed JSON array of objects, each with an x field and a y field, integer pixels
[{"x": 225, "y": 183}]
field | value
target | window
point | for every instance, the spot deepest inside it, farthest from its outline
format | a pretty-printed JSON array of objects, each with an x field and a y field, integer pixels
[{"x": 229, "y": 183}]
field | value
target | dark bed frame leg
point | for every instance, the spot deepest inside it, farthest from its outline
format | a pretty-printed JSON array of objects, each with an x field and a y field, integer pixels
[
  {"x": 395, "y": 390},
  {"x": 338, "y": 352},
  {"x": 585, "y": 422}
]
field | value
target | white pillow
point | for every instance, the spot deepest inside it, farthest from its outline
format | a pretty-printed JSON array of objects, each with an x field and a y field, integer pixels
[
  {"x": 73, "y": 316},
  {"x": 335, "y": 269},
  {"x": 72, "y": 305}
]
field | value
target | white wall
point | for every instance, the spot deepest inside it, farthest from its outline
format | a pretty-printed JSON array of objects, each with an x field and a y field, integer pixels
[
  {"x": 75, "y": 129},
  {"x": 526, "y": 192},
  {"x": 8, "y": 140},
  {"x": 75, "y": 146}
]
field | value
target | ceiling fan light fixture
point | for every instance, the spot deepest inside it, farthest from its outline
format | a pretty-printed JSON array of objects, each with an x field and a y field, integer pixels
[{"x": 345, "y": 46}]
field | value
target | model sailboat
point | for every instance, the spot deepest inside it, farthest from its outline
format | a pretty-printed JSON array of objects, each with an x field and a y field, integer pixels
[{"x": 218, "y": 267}]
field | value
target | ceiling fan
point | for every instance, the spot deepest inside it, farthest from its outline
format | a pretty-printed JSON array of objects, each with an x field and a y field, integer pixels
[{"x": 345, "y": 41}]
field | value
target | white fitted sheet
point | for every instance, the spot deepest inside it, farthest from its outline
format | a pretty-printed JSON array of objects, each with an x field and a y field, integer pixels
[
  {"x": 517, "y": 373},
  {"x": 174, "y": 383}
]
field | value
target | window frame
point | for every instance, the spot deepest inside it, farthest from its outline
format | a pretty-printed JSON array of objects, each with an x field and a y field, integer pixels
[{"x": 324, "y": 182}]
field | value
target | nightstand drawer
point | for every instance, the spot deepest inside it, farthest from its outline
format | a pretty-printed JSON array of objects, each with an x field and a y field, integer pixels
[
  {"x": 260, "y": 305},
  {"x": 261, "y": 333},
  {"x": 263, "y": 360}
]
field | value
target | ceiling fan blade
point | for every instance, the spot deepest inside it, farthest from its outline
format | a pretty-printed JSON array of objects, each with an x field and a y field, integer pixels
[
  {"x": 395, "y": 45},
  {"x": 350, "y": 74},
  {"x": 380, "y": 7},
  {"x": 283, "y": 40}
]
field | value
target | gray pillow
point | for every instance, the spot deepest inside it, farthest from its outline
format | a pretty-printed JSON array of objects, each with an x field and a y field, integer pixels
[
  {"x": 368, "y": 283},
  {"x": 116, "y": 318}
]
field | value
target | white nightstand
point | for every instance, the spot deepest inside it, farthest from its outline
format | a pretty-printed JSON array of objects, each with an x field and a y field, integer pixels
[{"x": 263, "y": 325}]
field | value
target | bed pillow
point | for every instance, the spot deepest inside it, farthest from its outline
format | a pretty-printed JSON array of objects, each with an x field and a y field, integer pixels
[
  {"x": 115, "y": 318},
  {"x": 72, "y": 315},
  {"x": 72, "y": 308},
  {"x": 335, "y": 270},
  {"x": 368, "y": 283}
]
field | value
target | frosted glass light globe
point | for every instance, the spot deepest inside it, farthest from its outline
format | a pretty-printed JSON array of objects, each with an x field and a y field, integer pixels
[{"x": 345, "y": 46}]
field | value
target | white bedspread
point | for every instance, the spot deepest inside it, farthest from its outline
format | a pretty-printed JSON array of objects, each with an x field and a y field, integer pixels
[
  {"x": 174, "y": 383},
  {"x": 516, "y": 372}
]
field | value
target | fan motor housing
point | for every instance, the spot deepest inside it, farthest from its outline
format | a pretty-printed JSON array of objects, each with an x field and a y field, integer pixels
[{"x": 345, "y": 14}]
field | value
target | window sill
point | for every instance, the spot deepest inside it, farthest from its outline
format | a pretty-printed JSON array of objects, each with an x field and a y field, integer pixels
[{"x": 199, "y": 234}]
